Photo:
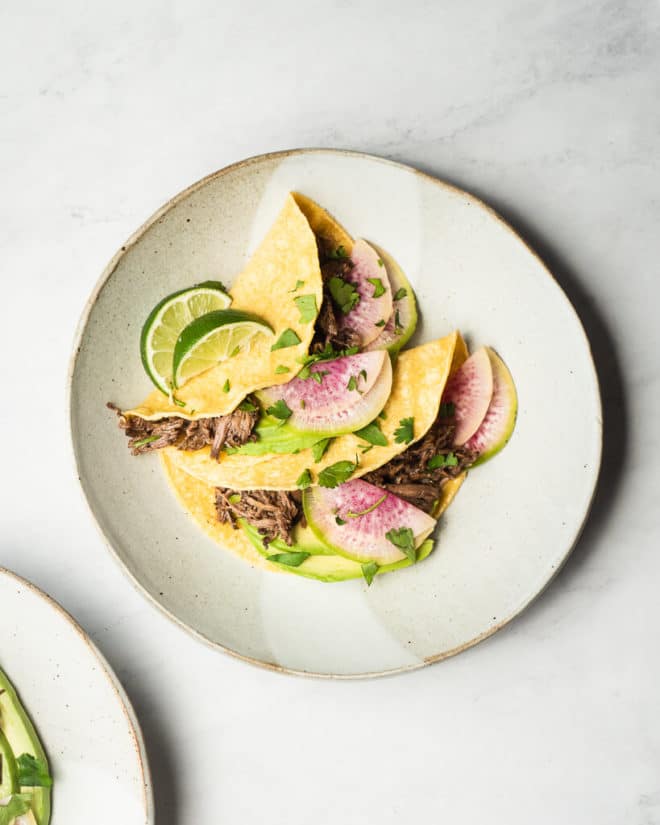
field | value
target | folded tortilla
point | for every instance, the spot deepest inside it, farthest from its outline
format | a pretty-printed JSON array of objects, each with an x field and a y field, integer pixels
[
  {"x": 267, "y": 288},
  {"x": 419, "y": 378}
]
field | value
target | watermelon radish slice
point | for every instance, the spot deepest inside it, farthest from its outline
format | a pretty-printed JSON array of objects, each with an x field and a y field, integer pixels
[
  {"x": 370, "y": 309},
  {"x": 354, "y": 517},
  {"x": 470, "y": 390},
  {"x": 399, "y": 327},
  {"x": 496, "y": 428},
  {"x": 338, "y": 396}
]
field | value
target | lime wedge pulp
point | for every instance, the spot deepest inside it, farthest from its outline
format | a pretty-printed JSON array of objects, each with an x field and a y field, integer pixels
[
  {"x": 213, "y": 338},
  {"x": 166, "y": 322}
]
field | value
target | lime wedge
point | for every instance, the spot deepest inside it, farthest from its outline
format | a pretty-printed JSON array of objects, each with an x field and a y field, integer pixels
[
  {"x": 166, "y": 322},
  {"x": 213, "y": 338}
]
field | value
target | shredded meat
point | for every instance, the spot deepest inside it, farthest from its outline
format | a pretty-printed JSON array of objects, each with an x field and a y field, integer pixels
[
  {"x": 272, "y": 512},
  {"x": 217, "y": 432},
  {"x": 407, "y": 475},
  {"x": 328, "y": 329}
]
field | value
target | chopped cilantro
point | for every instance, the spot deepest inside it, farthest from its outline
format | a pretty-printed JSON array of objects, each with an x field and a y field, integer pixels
[
  {"x": 179, "y": 403},
  {"x": 372, "y": 434},
  {"x": 352, "y": 383},
  {"x": 365, "y": 448},
  {"x": 397, "y": 323},
  {"x": 306, "y": 307},
  {"x": 288, "y": 338},
  {"x": 235, "y": 352},
  {"x": 339, "y": 252},
  {"x": 337, "y": 473},
  {"x": 344, "y": 294},
  {"x": 404, "y": 539},
  {"x": 302, "y": 403},
  {"x": 404, "y": 433},
  {"x": 297, "y": 286},
  {"x": 226, "y": 386},
  {"x": 442, "y": 460},
  {"x": 380, "y": 262},
  {"x": 304, "y": 480},
  {"x": 400, "y": 293},
  {"x": 363, "y": 374},
  {"x": 317, "y": 375},
  {"x": 447, "y": 410},
  {"x": 247, "y": 406},
  {"x": 369, "y": 570},
  {"x": 380, "y": 323},
  {"x": 382, "y": 415},
  {"x": 379, "y": 289},
  {"x": 280, "y": 369},
  {"x": 320, "y": 448},
  {"x": 280, "y": 409},
  {"x": 339, "y": 520},
  {"x": 32, "y": 772},
  {"x": 294, "y": 559}
]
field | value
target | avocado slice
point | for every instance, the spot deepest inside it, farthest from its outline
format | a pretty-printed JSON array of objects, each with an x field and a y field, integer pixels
[
  {"x": 22, "y": 738},
  {"x": 8, "y": 778},
  {"x": 321, "y": 564}
]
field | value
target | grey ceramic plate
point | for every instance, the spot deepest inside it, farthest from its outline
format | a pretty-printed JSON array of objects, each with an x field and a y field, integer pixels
[
  {"x": 515, "y": 519},
  {"x": 80, "y": 710}
]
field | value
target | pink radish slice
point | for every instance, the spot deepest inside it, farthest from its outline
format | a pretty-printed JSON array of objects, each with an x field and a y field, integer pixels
[
  {"x": 369, "y": 310},
  {"x": 470, "y": 390},
  {"x": 328, "y": 405},
  {"x": 500, "y": 420},
  {"x": 363, "y": 537}
]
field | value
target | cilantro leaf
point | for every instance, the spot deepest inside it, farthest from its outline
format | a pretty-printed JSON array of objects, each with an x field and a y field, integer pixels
[
  {"x": 442, "y": 460},
  {"x": 352, "y": 383},
  {"x": 32, "y": 772},
  {"x": 369, "y": 570},
  {"x": 379, "y": 289},
  {"x": 337, "y": 473},
  {"x": 317, "y": 375},
  {"x": 382, "y": 415},
  {"x": 400, "y": 293},
  {"x": 404, "y": 539},
  {"x": 343, "y": 293},
  {"x": 306, "y": 307},
  {"x": 288, "y": 338},
  {"x": 372, "y": 434},
  {"x": 339, "y": 252},
  {"x": 280, "y": 369},
  {"x": 247, "y": 406},
  {"x": 294, "y": 559},
  {"x": 304, "y": 480},
  {"x": 320, "y": 448},
  {"x": 178, "y": 402},
  {"x": 380, "y": 323},
  {"x": 404, "y": 433},
  {"x": 226, "y": 386},
  {"x": 297, "y": 286},
  {"x": 365, "y": 448},
  {"x": 280, "y": 409},
  {"x": 340, "y": 521},
  {"x": 380, "y": 262}
]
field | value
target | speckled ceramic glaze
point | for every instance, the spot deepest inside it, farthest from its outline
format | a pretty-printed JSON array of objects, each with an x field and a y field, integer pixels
[
  {"x": 516, "y": 518},
  {"x": 81, "y": 713}
]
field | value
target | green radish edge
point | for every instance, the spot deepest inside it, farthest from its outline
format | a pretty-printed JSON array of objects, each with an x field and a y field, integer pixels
[
  {"x": 9, "y": 700},
  {"x": 407, "y": 307},
  {"x": 203, "y": 326},
  {"x": 323, "y": 564},
  {"x": 500, "y": 420},
  {"x": 216, "y": 286}
]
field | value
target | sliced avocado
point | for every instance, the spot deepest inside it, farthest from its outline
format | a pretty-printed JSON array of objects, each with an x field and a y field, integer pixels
[
  {"x": 22, "y": 738},
  {"x": 274, "y": 436},
  {"x": 8, "y": 778},
  {"x": 321, "y": 563}
]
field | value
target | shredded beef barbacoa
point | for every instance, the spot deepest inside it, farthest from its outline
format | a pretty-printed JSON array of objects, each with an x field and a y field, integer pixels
[
  {"x": 231, "y": 430},
  {"x": 407, "y": 475},
  {"x": 273, "y": 513},
  {"x": 327, "y": 329}
]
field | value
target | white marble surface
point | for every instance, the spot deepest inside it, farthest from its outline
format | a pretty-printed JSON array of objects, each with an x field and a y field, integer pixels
[{"x": 551, "y": 112}]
